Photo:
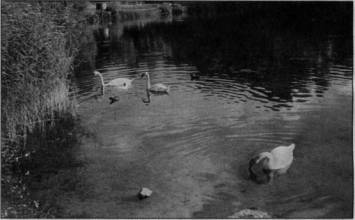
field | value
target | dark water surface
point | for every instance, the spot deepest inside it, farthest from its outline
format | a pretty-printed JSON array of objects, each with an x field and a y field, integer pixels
[{"x": 261, "y": 84}]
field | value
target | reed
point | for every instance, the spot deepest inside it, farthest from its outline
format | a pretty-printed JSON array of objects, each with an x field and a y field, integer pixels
[{"x": 39, "y": 41}]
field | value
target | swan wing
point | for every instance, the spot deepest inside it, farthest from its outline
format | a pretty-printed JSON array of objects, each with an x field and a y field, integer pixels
[
  {"x": 159, "y": 87},
  {"x": 120, "y": 82},
  {"x": 283, "y": 157}
]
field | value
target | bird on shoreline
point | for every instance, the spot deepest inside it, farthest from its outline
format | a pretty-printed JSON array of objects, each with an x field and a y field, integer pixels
[
  {"x": 157, "y": 88},
  {"x": 263, "y": 167},
  {"x": 120, "y": 83}
]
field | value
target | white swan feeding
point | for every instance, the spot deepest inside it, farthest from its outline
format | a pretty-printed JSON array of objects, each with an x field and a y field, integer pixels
[
  {"x": 263, "y": 167},
  {"x": 156, "y": 88},
  {"x": 120, "y": 83}
]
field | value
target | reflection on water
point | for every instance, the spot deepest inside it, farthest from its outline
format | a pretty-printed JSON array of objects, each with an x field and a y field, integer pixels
[{"x": 257, "y": 87}]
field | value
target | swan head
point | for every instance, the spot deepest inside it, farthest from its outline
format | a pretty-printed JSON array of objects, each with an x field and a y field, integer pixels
[
  {"x": 265, "y": 158},
  {"x": 259, "y": 171},
  {"x": 97, "y": 73}
]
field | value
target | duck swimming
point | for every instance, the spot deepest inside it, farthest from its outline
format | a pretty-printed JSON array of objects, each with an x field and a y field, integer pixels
[
  {"x": 263, "y": 167},
  {"x": 194, "y": 76},
  {"x": 114, "y": 99}
]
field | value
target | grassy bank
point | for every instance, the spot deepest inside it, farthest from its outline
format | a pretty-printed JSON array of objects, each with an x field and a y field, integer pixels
[{"x": 39, "y": 44}]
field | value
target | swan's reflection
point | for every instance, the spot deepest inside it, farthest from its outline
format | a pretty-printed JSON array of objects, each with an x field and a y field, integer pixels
[{"x": 146, "y": 100}]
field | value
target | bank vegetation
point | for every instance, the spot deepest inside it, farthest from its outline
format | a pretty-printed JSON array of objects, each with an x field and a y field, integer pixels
[{"x": 39, "y": 43}]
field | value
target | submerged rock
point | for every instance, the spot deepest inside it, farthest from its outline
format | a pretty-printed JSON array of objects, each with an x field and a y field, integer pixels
[
  {"x": 144, "y": 193},
  {"x": 250, "y": 213}
]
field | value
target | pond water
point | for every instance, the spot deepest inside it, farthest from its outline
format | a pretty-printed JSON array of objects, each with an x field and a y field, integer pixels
[{"x": 255, "y": 86}]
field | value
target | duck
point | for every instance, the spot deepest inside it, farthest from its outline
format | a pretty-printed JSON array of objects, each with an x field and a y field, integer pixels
[
  {"x": 155, "y": 88},
  {"x": 194, "y": 76},
  {"x": 264, "y": 166},
  {"x": 114, "y": 99},
  {"x": 120, "y": 83}
]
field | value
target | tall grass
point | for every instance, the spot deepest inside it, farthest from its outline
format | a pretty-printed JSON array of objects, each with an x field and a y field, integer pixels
[
  {"x": 39, "y": 41},
  {"x": 37, "y": 55}
]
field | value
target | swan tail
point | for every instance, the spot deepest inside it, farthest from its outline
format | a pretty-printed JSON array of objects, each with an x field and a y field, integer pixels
[{"x": 292, "y": 146}]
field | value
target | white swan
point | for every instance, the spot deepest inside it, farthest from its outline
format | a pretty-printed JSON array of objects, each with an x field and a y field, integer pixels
[
  {"x": 156, "y": 88},
  {"x": 120, "y": 83},
  {"x": 263, "y": 167}
]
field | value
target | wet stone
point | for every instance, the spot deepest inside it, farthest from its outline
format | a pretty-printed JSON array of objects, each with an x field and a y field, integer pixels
[{"x": 144, "y": 193}]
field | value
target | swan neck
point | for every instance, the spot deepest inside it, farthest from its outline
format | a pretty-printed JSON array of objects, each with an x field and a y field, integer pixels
[
  {"x": 148, "y": 81},
  {"x": 267, "y": 155},
  {"x": 102, "y": 80},
  {"x": 102, "y": 83}
]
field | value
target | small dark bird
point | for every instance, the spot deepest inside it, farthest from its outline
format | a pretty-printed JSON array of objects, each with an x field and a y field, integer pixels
[
  {"x": 194, "y": 76},
  {"x": 114, "y": 99}
]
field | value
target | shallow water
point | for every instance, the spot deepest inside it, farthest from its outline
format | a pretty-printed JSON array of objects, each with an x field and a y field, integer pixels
[{"x": 257, "y": 89}]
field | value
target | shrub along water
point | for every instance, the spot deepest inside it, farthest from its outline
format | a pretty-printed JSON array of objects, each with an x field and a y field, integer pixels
[{"x": 39, "y": 43}]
